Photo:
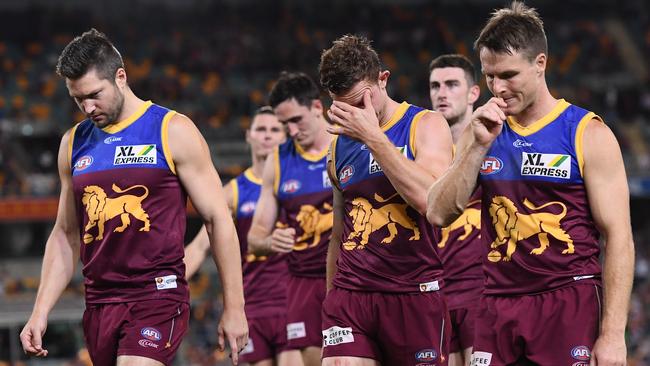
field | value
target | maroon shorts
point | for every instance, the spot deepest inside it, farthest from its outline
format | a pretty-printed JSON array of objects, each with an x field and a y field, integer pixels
[
  {"x": 558, "y": 327},
  {"x": 305, "y": 297},
  {"x": 394, "y": 329},
  {"x": 462, "y": 328},
  {"x": 150, "y": 328},
  {"x": 267, "y": 337}
]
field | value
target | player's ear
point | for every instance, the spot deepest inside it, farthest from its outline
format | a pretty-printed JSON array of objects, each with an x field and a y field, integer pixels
[
  {"x": 540, "y": 63},
  {"x": 317, "y": 104},
  {"x": 382, "y": 80}
]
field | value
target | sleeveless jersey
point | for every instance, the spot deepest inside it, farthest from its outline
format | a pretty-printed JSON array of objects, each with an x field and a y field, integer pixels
[
  {"x": 386, "y": 245},
  {"x": 131, "y": 208},
  {"x": 536, "y": 219},
  {"x": 304, "y": 195},
  {"x": 265, "y": 277},
  {"x": 462, "y": 252}
]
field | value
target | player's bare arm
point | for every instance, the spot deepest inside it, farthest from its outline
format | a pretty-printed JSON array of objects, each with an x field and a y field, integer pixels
[
  {"x": 411, "y": 179},
  {"x": 334, "y": 248},
  {"x": 448, "y": 196},
  {"x": 262, "y": 237},
  {"x": 196, "y": 172},
  {"x": 197, "y": 249},
  {"x": 61, "y": 256},
  {"x": 607, "y": 190}
]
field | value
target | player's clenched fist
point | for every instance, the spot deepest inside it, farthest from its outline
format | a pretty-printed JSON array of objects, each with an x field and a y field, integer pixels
[
  {"x": 487, "y": 121},
  {"x": 282, "y": 240}
]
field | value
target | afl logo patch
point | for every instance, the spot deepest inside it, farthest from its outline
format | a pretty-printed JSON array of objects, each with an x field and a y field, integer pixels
[
  {"x": 346, "y": 173},
  {"x": 84, "y": 162},
  {"x": 491, "y": 165},
  {"x": 581, "y": 353},
  {"x": 247, "y": 207},
  {"x": 290, "y": 186},
  {"x": 151, "y": 334}
]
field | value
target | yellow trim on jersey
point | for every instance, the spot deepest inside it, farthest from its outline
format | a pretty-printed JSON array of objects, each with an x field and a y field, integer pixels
[
  {"x": 70, "y": 143},
  {"x": 414, "y": 126},
  {"x": 165, "y": 140},
  {"x": 119, "y": 126},
  {"x": 332, "y": 171},
  {"x": 541, "y": 123},
  {"x": 235, "y": 197},
  {"x": 399, "y": 113},
  {"x": 248, "y": 173},
  {"x": 580, "y": 131},
  {"x": 309, "y": 156},
  {"x": 276, "y": 179}
]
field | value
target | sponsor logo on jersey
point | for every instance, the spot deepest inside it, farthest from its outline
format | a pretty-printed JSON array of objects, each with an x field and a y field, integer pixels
[
  {"x": 84, "y": 162},
  {"x": 521, "y": 143},
  {"x": 290, "y": 186},
  {"x": 135, "y": 154},
  {"x": 326, "y": 180},
  {"x": 373, "y": 166},
  {"x": 151, "y": 334},
  {"x": 336, "y": 335},
  {"x": 346, "y": 173},
  {"x": 426, "y": 355},
  {"x": 581, "y": 353},
  {"x": 546, "y": 165},
  {"x": 247, "y": 207},
  {"x": 580, "y": 363},
  {"x": 147, "y": 343},
  {"x": 316, "y": 166},
  {"x": 111, "y": 139},
  {"x": 166, "y": 282},
  {"x": 491, "y": 165}
]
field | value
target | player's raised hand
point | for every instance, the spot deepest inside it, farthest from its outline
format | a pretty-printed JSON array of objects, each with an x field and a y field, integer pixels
[
  {"x": 32, "y": 335},
  {"x": 234, "y": 328},
  {"x": 487, "y": 121},
  {"x": 357, "y": 123},
  {"x": 282, "y": 240}
]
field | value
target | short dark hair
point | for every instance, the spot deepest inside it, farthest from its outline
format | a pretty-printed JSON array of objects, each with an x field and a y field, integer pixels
[
  {"x": 456, "y": 60},
  {"x": 517, "y": 28},
  {"x": 350, "y": 60},
  {"x": 294, "y": 85},
  {"x": 90, "y": 50}
]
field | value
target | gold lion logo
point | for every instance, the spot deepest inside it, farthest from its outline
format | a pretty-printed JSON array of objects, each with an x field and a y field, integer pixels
[
  {"x": 367, "y": 219},
  {"x": 100, "y": 209},
  {"x": 512, "y": 226},
  {"x": 468, "y": 221},
  {"x": 313, "y": 223}
]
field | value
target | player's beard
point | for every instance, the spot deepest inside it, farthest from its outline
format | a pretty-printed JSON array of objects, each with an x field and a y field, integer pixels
[
  {"x": 457, "y": 118},
  {"x": 118, "y": 104}
]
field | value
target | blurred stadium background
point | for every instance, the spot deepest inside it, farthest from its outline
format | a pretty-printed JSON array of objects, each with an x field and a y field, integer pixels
[{"x": 215, "y": 61}]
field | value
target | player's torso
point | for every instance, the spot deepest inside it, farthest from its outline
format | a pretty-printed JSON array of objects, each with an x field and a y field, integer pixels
[
  {"x": 265, "y": 277},
  {"x": 536, "y": 219},
  {"x": 386, "y": 245},
  {"x": 304, "y": 194},
  {"x": 131, "y": 209}
]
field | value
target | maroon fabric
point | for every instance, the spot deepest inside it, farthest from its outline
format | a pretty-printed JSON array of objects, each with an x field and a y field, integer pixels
[
  {"x": 267, "y": 337},
  {"x": 125, "y": 264},
  {"x": 150, "y": 328},
  {"x": 305, "y": 298},
  {"x": 528, "y": 272},
  {"x": 381, "y": 261},
  {"x": 558, "y": 327},
  {"x": 394, "y": 329},
  {"x": 462, "y": 251},
  {"x": 462, "y": 328}
]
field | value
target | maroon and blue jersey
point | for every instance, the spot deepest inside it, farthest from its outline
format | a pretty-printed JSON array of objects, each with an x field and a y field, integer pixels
[
  {"x": 131, "y": 207},
  {"x": 265, "y": 277},
  {"x": 386, "y": 245},
  {"x": 536, "y": 220},
  {"x": 304, "y": 194}
]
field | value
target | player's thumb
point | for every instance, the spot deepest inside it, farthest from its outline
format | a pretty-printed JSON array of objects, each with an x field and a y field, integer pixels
[
  {"x": 37, "y": 339},
  {"x": 221, "y": 339},
  {"x": 592, "y": 360}
]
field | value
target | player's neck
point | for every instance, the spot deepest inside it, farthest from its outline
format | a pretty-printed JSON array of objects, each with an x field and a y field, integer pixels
[
  {"x": 131, "y": 104},
  {"x": 458, "y": 127},
  {"x": 258, "y": 165},
  {"x": 386, "y": 112},
  {"x": 322, "y": 139},
  {"x": 539, "y": 108}
]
